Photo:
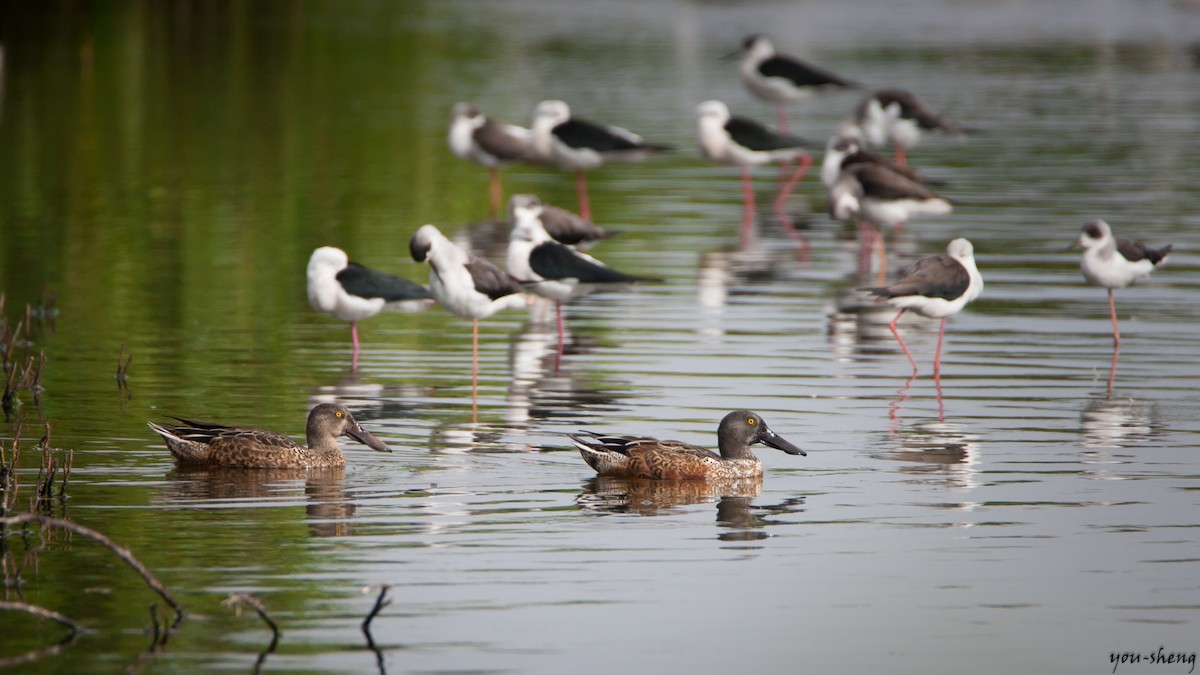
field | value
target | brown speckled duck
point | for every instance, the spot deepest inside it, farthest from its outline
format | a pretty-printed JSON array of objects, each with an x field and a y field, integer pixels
[
  {"x": 633, "y": 457},
  {"x": 217, "y": 445}
]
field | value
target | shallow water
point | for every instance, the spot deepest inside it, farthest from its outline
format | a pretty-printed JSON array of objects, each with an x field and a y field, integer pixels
[{"x": 167, "y": 169}]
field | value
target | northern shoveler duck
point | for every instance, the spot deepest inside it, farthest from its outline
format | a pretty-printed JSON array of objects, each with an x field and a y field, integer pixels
[
  {"x": 488, "y": 142},
  {"x": 352, "y": 292},
  {"x": 1114, "y": 262},
  {"x": 217, "y": 445},
  {"x": 634, "y": 457},
  {"x": 574, "y": 144},
  {"x": 897, "y": 117},
  {"x": 935, "y": 287}
]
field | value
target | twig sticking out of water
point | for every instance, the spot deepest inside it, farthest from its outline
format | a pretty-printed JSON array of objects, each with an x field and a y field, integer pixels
[
  {"x": 237, "y": 600},
  {"x": 51, "y": 466},
  {"x": 118, "y": 550},
  {"x": 43, "y": 613},
  {"x": 10, "y": 485},
  {"x": 381, "y": 601},
  {"x": 74, "y": 628},
  {"x": 123, "y": 364}
]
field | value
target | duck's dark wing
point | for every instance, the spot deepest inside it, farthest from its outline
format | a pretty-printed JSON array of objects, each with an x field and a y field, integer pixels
[
  {"x": 368, "y": 283},
  {"x": 227, "y": 436},
  {"x": 491, "y": 280},
  {"x": 750, "y": 134},
  {"x": 938, "y": 276},
  {"x": 800, "y": 73}
]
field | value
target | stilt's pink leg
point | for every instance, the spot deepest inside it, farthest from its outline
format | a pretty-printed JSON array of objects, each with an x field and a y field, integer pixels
[
  {"x": 585, "y": 209},
  {"x": 901, "y": 158},
  {"x": 354, "y": 340},
  {"x": 896, "y": 332},
  {"x": 786, "y": 189},
  {"x": 747, "y": 206},
  {"x": 1112, "y": 312},
  {"x": 937, "y": 356},
  {"x": 495, "y": 193},
  {"x": 474, "y": 370},
  {"x": 781, "y": 113}
]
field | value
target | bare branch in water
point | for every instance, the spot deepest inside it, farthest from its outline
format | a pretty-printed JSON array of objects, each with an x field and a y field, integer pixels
[
  {"x": 120, "y": 551},
  {"x": 74, "y": 629},
  {"x": 380, "y": 602},
  {"x": 43, "y": 613},
  {"x": 237, "y": 600}
]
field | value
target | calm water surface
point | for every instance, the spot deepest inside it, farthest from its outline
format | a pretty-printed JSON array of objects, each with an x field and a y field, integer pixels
[{"x": 166, "y": 170}]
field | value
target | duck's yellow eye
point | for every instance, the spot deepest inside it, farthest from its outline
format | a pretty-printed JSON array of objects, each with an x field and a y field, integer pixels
[
  {"x": 338, "y": 413},
  {"x": 750, "y": 420}
]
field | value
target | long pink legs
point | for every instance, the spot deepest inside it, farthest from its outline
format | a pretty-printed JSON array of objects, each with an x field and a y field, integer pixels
[
  {"x": 937, "y": 356},
  {"x": 747, "y": 206},
  {"x": 903, "y": 346},
  {"x": 354, "y": 339},
  {"x": 495, "y": 193},
  {"x": 585, "y": 209}
]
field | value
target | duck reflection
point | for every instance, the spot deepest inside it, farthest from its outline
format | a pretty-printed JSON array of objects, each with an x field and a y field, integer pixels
[
  {"x": 1107, "y": 422},
  {"x": 937, "y": 451},
  {"x": 326, "y": 505},
  {"x": 647, "y": 497}
]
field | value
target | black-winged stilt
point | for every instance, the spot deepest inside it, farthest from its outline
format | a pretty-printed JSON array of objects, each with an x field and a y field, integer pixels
[
  {"x": 574, "y": 144},
  {"x": 488, "y": 142},
  {"x": 743, "y": 142},
  {"x": 935, "y": 287},
  {"x": 353, "y": 293},
  {"x": 1115, "y": 262},
  {"x": 565, "y": 227},
  {"x": 898, "y": 118},
  {"x": 467, "y": 286},
  {"x": 782, "y": 79},
  {"x": 550, "y": 269}
]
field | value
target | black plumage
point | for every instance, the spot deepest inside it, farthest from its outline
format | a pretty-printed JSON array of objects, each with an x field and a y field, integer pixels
[
  {"x": 912, "y": 108},
  {"x": 800, "y": 73},
  {"x": 578, "y": 133},
  {"x": 938, "y": 276},
  {"x": 365, "y": 282},
  {"x": 750, "y": 134},
  {"x": 491, "y": 280},
  {"x": 552, "y": 260}
]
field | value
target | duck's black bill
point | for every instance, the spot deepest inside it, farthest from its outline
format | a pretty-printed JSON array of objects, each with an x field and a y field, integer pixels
[
  {"x": 780, "y": 443},
  {"x": 367, "y": 438}
]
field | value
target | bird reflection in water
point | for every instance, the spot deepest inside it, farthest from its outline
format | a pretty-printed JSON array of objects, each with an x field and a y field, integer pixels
[
  {"x": 733, "y": 271},
  {"x": 326, "y": 505},
  {"x": 648, "y": 497},
  {"x": 936, "y": 451},
  {"x": 1107, "y": 422}
]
